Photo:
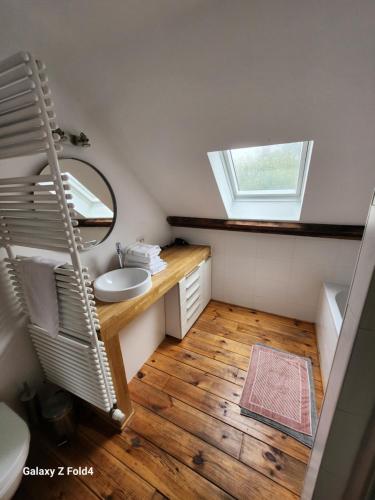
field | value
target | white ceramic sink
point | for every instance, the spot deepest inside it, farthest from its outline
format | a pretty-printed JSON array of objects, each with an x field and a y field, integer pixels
[{"x": 122, "y": 284}]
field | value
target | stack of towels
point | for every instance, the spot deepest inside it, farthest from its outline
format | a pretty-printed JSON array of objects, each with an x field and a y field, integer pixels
[{"x": 145, "y": 256}]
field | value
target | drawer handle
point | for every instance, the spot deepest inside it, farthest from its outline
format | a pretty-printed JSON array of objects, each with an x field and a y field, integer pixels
[
  {"x": 188, "y": 307},
  {"x": 189, "y": 285},
  {"x": 194, "y": 311},
  {"x": 192, "y": 292},
  {"x": 192, "y": 272},
  {"x": 192, "y": 300}
]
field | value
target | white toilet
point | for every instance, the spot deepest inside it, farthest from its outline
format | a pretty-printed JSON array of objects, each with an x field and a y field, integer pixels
[{"x": 14, "y": 448}]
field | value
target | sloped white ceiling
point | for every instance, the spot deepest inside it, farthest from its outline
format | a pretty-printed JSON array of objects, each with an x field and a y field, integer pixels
[{"x": 166, "y": 81}]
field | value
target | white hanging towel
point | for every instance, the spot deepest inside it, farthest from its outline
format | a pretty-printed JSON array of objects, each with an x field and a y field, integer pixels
[{"x": 39, "y": 285}]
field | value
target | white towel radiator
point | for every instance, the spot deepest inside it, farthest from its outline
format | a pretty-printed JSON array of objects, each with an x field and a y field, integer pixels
[{"x": 35, "y": 212}]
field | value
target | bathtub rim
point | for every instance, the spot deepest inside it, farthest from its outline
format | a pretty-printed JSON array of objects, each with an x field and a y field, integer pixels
[{"x": 330, "y": 292}]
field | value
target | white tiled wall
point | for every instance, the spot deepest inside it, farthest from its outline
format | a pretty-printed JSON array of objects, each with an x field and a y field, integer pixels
[{"x": 274, "y": 273}]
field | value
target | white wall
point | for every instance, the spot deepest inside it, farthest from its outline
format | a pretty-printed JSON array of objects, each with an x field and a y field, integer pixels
[
  {"x": 250, "y": 72},
  {"x": 274, "y": 273},
  {"x": 168, "y": 81}
]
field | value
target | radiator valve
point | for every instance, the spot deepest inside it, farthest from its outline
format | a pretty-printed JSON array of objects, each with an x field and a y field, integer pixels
[{"x": 118, "y": 416}]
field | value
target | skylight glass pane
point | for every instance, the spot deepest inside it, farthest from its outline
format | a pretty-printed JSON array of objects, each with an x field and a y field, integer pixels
[{"x": 268, "y": 168}]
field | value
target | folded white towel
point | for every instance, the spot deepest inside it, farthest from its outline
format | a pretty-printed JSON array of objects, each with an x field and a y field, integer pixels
[
  {"x": 157, "y": 269},
  {"x": 39, "y": 285},
  {"x": 138, "y": 259},
  {"x": 143, "y": 249},
  {"x": 153, "y": 267}
]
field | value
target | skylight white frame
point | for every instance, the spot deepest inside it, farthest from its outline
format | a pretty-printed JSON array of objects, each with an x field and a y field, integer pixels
[
  {"x": 267, "y": 195},
  {"x": 86, "y": 203}
]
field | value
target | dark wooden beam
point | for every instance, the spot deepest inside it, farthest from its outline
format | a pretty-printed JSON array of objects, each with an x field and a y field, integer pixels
[
  {"x": 95, "y": 222},
  {"x": 341, "y": 231}
]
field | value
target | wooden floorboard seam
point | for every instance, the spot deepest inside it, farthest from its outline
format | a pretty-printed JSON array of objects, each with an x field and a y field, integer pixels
[
  {"x": 209, "y": 444},
  {"x": 235, "y": 369},
  {"x": 209, "y": 414},
  {"x": 227, "y": 423},
  {"x": 89, "y": 484},
  {"x": 242, "y": 464},
  {"x": 175, "y": 458}
]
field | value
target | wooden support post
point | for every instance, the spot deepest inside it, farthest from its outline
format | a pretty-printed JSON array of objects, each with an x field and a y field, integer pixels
[{"x": 114, "y": 354}]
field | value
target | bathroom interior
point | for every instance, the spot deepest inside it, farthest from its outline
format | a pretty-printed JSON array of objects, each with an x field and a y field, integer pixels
[{"x": 187, "y": 247}]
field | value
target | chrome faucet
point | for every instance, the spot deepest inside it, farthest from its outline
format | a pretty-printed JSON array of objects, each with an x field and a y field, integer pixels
[{"x": 120, "y": 253}]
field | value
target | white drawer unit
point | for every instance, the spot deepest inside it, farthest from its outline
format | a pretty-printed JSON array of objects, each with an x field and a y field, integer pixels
[{"x": 185, "y": 301}]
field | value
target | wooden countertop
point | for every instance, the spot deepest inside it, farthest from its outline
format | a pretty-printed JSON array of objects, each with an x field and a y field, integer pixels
[{"x": 181, "y": 261}]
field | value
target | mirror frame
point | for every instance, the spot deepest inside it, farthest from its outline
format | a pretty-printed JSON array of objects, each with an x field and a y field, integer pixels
[{"x": 109, "y": 188}]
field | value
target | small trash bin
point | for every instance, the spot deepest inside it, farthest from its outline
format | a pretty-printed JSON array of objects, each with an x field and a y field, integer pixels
[
  {"x": 58, "y": 414},
  {"x": 30, "y": 402}
]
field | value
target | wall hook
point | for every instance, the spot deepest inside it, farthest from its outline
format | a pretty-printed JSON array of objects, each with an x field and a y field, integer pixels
[{"x": 76, "y": 140}]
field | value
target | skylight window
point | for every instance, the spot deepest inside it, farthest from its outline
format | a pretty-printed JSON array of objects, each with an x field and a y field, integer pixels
[
  {"x": 86, "y": 204},
  {"x": 272, "y": 173},
  {"x": 267, "y": 171}
]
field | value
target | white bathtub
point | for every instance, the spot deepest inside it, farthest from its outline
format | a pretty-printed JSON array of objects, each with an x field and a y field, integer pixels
[{"x": 331, "y": 309}]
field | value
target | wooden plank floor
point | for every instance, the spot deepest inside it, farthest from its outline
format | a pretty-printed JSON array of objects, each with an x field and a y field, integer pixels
[{"x": 187, "y": 438}]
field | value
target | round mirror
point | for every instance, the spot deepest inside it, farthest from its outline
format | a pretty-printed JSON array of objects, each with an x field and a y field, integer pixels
[{"x": 93, "y": 199}]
